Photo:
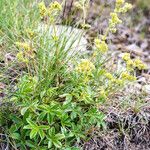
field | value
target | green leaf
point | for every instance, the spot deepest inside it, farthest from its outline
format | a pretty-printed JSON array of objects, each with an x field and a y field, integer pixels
[
  {"x": 44, "y": 127},
  {"x": 57, "y": 143},
  {"x": 42, "y": 116},
  {"x": 42, "y": 94},
  {"x": 51, "y": 131},
  {"x": 28, "y": 127},
  {"x": 68, "y": 98},
  {"x": 13, "y": 128},
  {"x": 50, "y": 118},
  {"x": 15, "y": 119},
  {"x": 73, "y": 115},
  {"x": 23, "y": 110},
  {"x": 33, "y": 133},
  {"x": 49, "y": 144},
  {"x": 42, "y": 134},
  {"x": 33, "y": 124},
  {"x": 59, "y": 136},
  {"x": 15, "y": 136},
  {"x": 30, "y": 144}
]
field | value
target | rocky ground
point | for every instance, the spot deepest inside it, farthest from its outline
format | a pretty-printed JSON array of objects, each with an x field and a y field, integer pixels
[{"x": 128, "y": 112}]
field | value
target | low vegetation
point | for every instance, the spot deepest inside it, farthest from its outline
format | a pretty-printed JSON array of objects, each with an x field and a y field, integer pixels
[{"x": 53, "y": 103}]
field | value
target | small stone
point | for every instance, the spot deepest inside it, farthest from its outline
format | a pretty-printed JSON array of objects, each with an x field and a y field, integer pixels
[
  {"x": 146, "y": 89},
  {"x": 142, "y": 80},
  {"x": 75, "y": 40}
]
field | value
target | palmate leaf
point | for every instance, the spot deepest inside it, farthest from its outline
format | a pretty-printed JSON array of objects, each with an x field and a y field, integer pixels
[
  {"x": 49, "y": 112},
  {"x": 31, "y": 123},
  {"x": 54, "y": 139},
  {"x": 36, "y": 129}
]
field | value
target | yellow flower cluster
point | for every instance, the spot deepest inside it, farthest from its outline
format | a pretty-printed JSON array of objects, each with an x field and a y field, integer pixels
[
  {"x": 55, "y": 37},
  {"x": 118, "y": 81},
  {"x": 26, "y": 53},
  {"x": 122, "y": 7},
  {"x": 119, "y": 2},
  {"x": 85, "y": 66},
  {"x": 114, "y": 21},
  {"x": 21, "y": 58},
  {"x": 25, "y": 46},
  {"x": 101, "y": 45},
  {"x": 126, "y": 7},
  {"x": 53, "y": 10},
  {"x": 109, "y": 76},
  {"x": 112, "y": 79},
  {"x": 42, "y": 9},
  {"x": 53, "y": 7},
  {"x": 139, "y": 64},
  {"x": 131, "y": 64},
  {"x": 126, "y": 76},
  {"x": 103, "y": 94},
  {"x": 126, "y": 57},
  {"x": 30, "y": 33}
]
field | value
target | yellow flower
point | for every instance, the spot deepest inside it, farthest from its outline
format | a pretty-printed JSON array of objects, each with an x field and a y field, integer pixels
[
  {"x": 109, "y": 76},
  {"x": 20, "y": 57},
  {"x": 126, "y": 57},
  {"x": 103, "y": 94},
  {"x": 127, "y": 76},
  {"x": 130, "y": 64},
  {"x": 42, "y": 9},
  {"x": 126, "y": 7},
  {"x": 53, "y": 10},
  {"x": 55, "y": 6},
  {"x": 94, "y": 54},
  {"x": 101, "y": 45},
  {"x": 139, "y": 64},
  {"x": 30, "y": 33},
  {"x": 85, "y": 66},
  {"x": 119, "y": 81},
  {"x": 120, "y": 9},
  {"x": 55, "y": 37},
  {"x": 25, "y": 46},
  {"x": 114, "y": 18},
  {"x": 85, "y": 26},
  {"x": 114, "y": 21},
  {"x": 120, "y": 2}
]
